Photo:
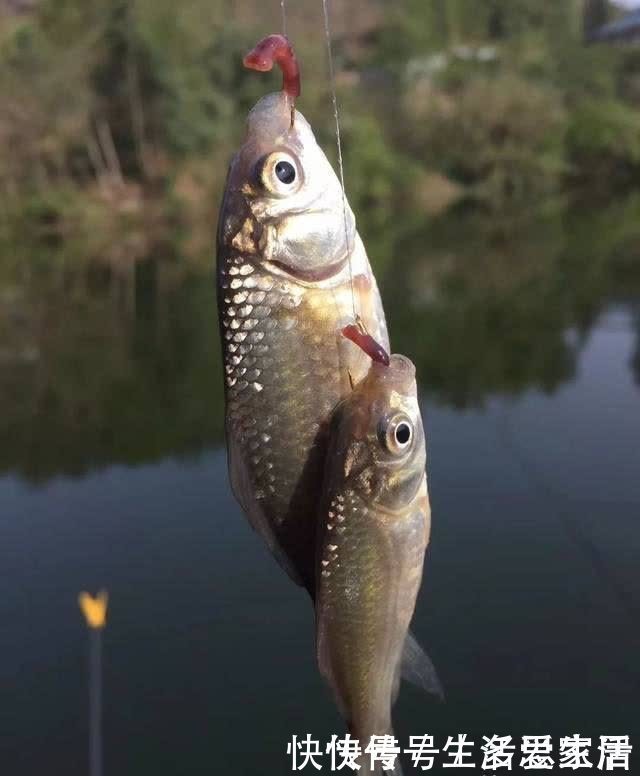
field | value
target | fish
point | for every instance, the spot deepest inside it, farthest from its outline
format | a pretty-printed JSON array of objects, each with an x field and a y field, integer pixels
[
  {"x": 289, "y": 264},
  {"x": 375, "y": 521}
]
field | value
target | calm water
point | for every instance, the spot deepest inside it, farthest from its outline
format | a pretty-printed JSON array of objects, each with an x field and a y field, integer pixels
[{"x": 526, "y": 333}]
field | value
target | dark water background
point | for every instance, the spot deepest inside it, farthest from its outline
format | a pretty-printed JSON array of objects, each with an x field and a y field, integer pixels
[{"x": 526, "y": 333}]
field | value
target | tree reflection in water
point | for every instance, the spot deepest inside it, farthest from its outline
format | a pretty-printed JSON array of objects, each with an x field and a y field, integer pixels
[{"x": 104, "y": 363}]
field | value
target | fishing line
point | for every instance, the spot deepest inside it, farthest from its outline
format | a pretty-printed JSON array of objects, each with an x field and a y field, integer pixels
[
  {"x": 334, "y": 100},
  {"x": 283, "y": 8}
]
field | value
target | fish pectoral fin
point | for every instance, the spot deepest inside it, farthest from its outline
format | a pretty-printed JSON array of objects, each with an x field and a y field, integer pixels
[
  {"x": 243, "y": 490},
  {"x": 417, "y": 668},
  {"x": 325, "y": 662}
]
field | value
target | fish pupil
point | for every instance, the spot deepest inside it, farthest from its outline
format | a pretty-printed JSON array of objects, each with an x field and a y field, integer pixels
[
  {"x": 285, "y": 172},
  {"x": 403, "y": 433}
]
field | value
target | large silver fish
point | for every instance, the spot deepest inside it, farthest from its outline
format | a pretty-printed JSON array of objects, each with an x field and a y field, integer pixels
[
  {"x": 375, "y": 524},
  {"x": 288, "y": 258}
]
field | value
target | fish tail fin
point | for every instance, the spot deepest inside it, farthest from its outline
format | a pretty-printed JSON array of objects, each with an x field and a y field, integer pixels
[{"x": 417, "y": 668}]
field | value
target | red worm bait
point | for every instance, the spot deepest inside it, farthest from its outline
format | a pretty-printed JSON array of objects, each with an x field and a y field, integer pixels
[
  {"x": 366, "y": 342},
  {"x": 276, "y": 49}
]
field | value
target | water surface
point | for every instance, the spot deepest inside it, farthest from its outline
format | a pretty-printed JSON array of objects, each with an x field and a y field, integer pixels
[{"x": 526, "y": 334}]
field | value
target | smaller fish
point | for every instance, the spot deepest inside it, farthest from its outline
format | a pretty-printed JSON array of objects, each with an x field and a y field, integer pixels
[{"x": 374, "y": 530}]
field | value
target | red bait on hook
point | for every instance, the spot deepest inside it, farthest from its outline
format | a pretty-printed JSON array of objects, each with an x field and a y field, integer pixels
[
  {"x": 276, "y": 49},
  {"x": 366, "y": 342}
]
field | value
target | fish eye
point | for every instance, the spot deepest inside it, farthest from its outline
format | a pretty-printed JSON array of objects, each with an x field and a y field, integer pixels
[
  {"x": 285, "y": 172},
  {"x": 397, "y": 433},
  {"x": 280, "y": 174},
  {"x": 403, "y": 434}
]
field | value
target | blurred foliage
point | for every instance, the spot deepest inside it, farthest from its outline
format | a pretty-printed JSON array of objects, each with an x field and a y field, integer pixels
[
  {"x": 502, "y": 135},
  {"x": 111, "y": 101},
  {"x": 604, "y": 142},
  {"x": 492, "y": 93}
]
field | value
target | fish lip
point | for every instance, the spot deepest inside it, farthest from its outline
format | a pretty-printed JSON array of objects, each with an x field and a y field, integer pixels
[{"x": 307, "y": 276}]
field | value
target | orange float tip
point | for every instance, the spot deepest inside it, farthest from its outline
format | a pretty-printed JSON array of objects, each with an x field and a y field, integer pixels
[{"x": 94, "y": 609}]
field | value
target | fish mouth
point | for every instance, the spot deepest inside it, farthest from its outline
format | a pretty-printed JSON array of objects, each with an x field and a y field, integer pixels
[{"x": 309, "y": 276}]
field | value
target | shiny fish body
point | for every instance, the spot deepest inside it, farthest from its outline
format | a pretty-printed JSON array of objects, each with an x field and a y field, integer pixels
[
  {"x": 288, "y": 256},
  {"x": 375, "y": 529}
]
